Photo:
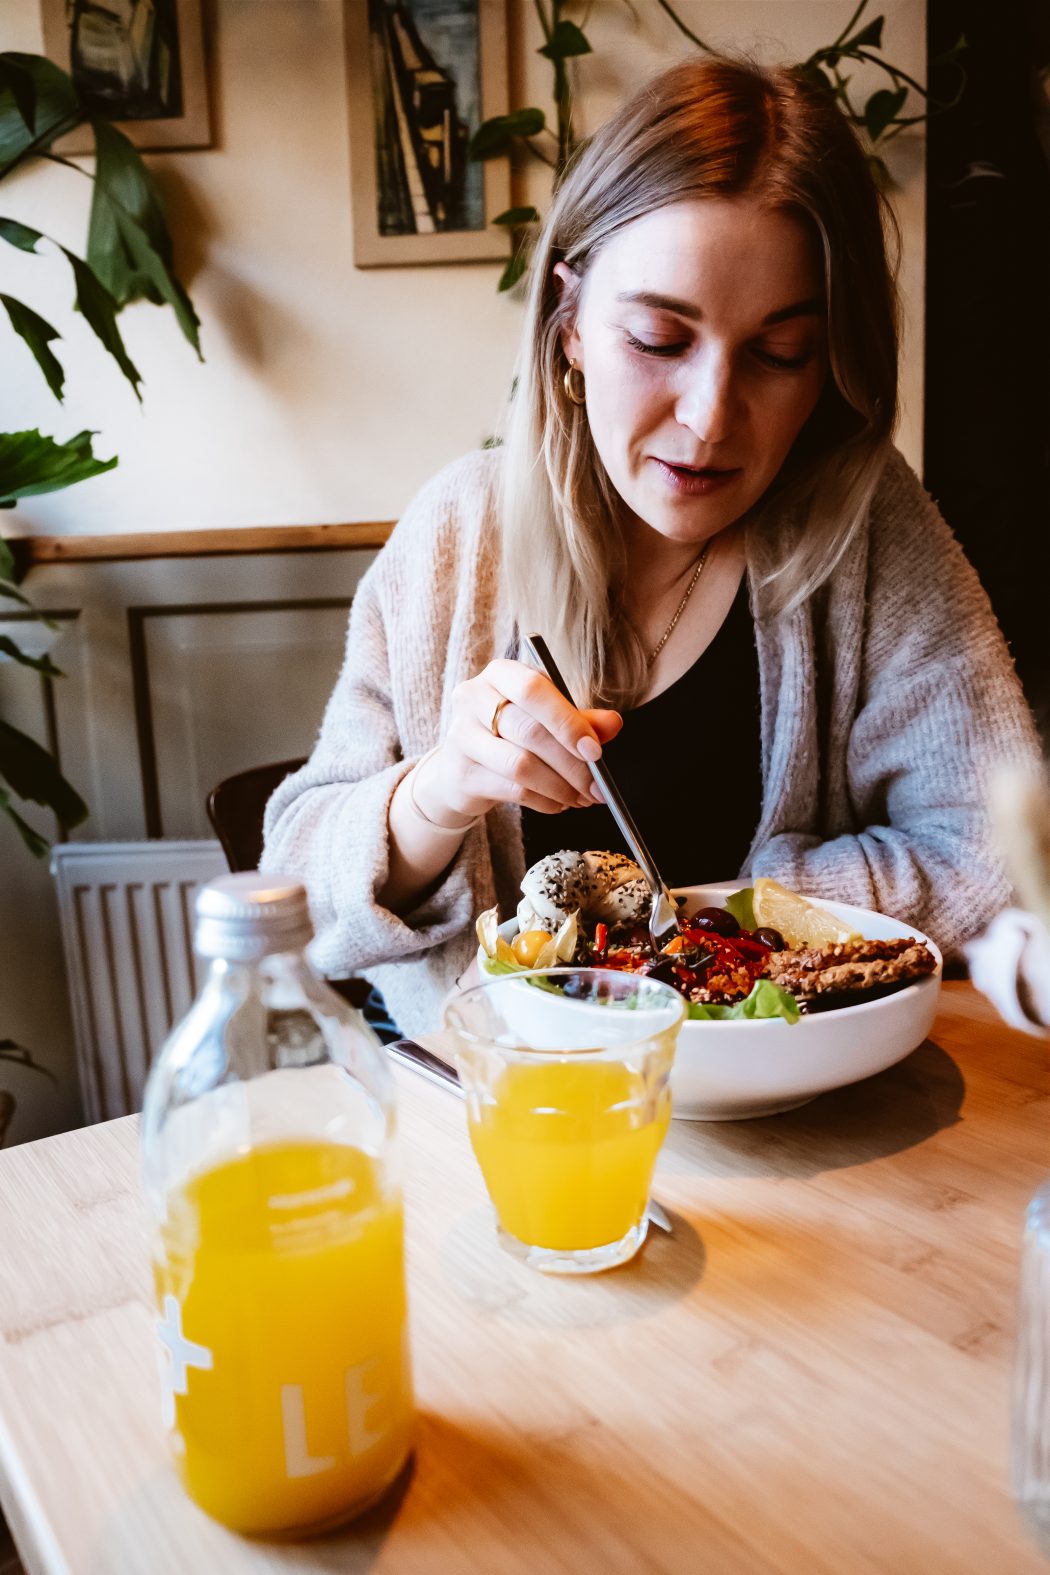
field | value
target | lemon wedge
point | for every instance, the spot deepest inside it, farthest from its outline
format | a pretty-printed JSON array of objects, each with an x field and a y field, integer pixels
[{"x": 801, "y": 923}]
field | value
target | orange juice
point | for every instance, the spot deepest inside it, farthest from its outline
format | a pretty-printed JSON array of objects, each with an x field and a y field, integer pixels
[
  {"x": 567, "y": 1150},
  {"x": 283, "y": 1326}
]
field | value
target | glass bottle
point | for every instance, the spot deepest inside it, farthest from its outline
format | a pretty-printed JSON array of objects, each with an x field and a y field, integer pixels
[
  {"x": 1030, "y": 1441},
  {"x": 269, "y": 1168}
]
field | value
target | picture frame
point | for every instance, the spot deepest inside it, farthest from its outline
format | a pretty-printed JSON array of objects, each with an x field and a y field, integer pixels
[
  {"x": 421, "y": 76},
  {"x": 146, "y": 57}
]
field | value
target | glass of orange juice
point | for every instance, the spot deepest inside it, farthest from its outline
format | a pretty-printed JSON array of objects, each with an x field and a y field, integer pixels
[{"x": 566, "y": 1073}]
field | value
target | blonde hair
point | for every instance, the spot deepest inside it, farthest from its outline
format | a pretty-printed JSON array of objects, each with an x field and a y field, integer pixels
[{"x": 704, "y": 128}]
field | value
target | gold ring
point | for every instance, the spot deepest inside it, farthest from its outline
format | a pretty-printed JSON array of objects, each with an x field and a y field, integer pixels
[{"x": 494, "y": 724}]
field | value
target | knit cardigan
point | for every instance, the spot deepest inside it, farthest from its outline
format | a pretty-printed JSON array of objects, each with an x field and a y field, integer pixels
[{"x": 885, "y": 701}]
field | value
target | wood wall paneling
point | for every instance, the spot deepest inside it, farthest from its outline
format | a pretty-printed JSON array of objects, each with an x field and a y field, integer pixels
[
  {"x": 222, "y": 686},
  {"x": 179, "y": 670}
]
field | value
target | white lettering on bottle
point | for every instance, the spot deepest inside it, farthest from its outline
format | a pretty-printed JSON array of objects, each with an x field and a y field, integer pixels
[
  {"x": 298, "y": 1461},
  {"x": 177, "y": 1355},
  {"x": 360, "y": 1401}
]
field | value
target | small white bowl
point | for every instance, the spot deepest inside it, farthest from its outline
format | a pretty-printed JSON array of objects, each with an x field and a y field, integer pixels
[{"x": 733, "y": 1071}]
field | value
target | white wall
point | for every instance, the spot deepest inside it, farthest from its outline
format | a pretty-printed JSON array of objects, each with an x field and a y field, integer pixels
[{"x": 330, "y": 393}]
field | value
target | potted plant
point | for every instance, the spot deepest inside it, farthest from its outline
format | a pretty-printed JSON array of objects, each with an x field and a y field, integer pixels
[
  {"x": 526, "y": 133},
  {"x": 128, "y": 257}
]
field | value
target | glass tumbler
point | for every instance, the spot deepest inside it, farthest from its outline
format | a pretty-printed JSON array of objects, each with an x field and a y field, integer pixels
[
  {"x": 566, "y": 1074},
  {"x": 1030, "y": 1441}
]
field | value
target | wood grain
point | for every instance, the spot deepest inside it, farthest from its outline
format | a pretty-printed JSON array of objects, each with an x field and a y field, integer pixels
[
  {"x": 33, "y": 550},
  {"x": 810, "y": 1377}
]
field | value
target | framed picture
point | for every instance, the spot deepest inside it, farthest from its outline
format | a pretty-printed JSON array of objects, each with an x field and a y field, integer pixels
[
  {"x": 139, "y": 63},
  {"x": 422, "y": 76}
]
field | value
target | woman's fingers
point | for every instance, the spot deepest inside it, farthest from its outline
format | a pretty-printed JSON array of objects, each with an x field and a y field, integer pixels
[
  {"x": 537, "y": 696},
  {"x": 522, "y": 770},
  {"x": 605, "y": 723},
  {"x": 529, "y": 735},
  {"x": 514, "y": 739}
]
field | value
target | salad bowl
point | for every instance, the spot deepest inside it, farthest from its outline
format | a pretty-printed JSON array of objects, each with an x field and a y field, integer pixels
[{"x": 741, "y": 1069}]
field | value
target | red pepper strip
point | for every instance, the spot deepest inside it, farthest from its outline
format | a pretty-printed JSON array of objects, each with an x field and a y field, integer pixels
[
  {"x": 630, "y": 962},
  {"x": 601, "y": 939},
  {"x": 726, "y": 948},
  {"x": 758, "y": 950}
]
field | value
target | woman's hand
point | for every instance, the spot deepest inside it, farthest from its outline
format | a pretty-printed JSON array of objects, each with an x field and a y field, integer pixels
[{"x": 537, "y": 758}]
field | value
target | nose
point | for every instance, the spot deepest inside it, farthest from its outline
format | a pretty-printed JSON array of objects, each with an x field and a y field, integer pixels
[{"x": 708, "y": 400}]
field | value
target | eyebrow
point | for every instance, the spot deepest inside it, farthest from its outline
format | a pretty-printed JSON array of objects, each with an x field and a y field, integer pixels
[{"x": 667, "y": 303}]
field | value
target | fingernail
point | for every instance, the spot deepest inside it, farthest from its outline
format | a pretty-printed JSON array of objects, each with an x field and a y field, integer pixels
[
  {"x": 597, "y": 794},
  {"x": 589, "y": 749}
]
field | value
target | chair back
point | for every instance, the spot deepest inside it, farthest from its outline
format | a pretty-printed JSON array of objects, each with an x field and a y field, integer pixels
[{"x": 236, "y": 807}]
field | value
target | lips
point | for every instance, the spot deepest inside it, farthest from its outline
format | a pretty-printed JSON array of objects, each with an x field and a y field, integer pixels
[{"x": 695, "y": 480}]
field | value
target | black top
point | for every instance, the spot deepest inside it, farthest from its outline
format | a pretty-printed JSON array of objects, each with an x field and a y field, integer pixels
[{"x": 688, "y": 763}]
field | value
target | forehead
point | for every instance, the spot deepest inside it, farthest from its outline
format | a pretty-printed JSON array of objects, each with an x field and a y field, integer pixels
[{"x": 712, "y": 249}]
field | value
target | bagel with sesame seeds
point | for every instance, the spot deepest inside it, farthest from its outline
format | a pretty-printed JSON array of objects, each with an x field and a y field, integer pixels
[{"x": 602, "y": 887}]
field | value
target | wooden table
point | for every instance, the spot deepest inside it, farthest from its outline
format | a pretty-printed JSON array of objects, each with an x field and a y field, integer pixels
[{"x": 811, "y": 1375}]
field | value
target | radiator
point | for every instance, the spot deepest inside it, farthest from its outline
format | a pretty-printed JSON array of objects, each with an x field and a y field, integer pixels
[{"x": 127, "y": 928}]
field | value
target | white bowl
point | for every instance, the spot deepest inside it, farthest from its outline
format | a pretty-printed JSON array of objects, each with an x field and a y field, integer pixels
[{"x": 732, "y": 1071}]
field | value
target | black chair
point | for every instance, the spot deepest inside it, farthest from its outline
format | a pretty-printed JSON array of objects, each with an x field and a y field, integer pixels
[{"x": 235, "y": 808}]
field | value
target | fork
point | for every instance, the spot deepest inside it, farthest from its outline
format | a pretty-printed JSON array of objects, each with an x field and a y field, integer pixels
[{"x": 663, "y": 915}]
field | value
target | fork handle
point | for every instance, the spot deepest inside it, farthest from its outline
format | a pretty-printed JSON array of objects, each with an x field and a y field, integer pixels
[{"x": 538, "y": 649}]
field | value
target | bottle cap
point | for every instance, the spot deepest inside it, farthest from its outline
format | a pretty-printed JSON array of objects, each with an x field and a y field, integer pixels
[{"x": 244, "y": 917}]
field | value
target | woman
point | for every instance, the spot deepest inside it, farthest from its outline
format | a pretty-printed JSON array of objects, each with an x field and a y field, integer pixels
[{"x": 699, "y": 507}]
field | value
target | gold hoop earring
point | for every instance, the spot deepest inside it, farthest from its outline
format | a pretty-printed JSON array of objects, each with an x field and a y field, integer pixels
[{"x": 574, "y": 391}]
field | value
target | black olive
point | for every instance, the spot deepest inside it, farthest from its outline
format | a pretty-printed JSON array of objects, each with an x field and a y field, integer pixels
[
  {"x": 663, "y": 970},
  {"x": 770, "y": 937},
  {"x": 719, "y": 920}
]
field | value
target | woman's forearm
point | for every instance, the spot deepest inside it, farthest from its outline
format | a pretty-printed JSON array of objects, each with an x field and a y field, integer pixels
[{"x": 420, "y": 848}]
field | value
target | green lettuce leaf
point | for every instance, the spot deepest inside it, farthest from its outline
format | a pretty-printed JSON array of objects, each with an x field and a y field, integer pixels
[
  {"x": 740, "y": 906},
  {"x": 766, "y": 1000},
  {"x": 493, "y": 965}
]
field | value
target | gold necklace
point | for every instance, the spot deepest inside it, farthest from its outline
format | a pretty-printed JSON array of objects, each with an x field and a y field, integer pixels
[{"x": 680, "y": 609}]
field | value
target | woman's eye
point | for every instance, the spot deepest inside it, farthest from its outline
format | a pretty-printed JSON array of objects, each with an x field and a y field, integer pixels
[
  {"x": 649, "y": 349},
  {"x": 784, "y": 363}
]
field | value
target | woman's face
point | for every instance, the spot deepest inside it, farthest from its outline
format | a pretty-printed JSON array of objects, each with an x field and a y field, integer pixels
[{"x": 700, "y": 335}]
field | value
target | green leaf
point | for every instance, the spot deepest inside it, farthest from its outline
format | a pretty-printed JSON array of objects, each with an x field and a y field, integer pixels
[
  {"x": 494, "y": 966},
  {"x": 740, "y": 905},
  {"x": 514, "y": 270},
  {"x": 515, "y": 216},
  {"x": 100, "y": 310},
  {"x": 19, "y": 235},
  {"x": 766, "y": 1000},
  {"x": 566, "y": 40},
  {"x": 19, "y": 83},
  {"x": 129, "y": 245},
  {"x": 9, "y": 590},
  {"x": 34, "y": 775},
  {"x": 496, "y": 135},
  {"x": 880, "y": 172},
  {"x": 36, "y": 844},
  {"x": 881, "y": 109},
  {"x": 869, "y": 37},
  {"x": 42, "y": 664},
  {"x": 8, "y": 567},
  {"x": 56, "y": 108},
  {"x": 31, "y": 463},
  {"x": 37, "y": 334},
  {"x": 819, "y": 78}
]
